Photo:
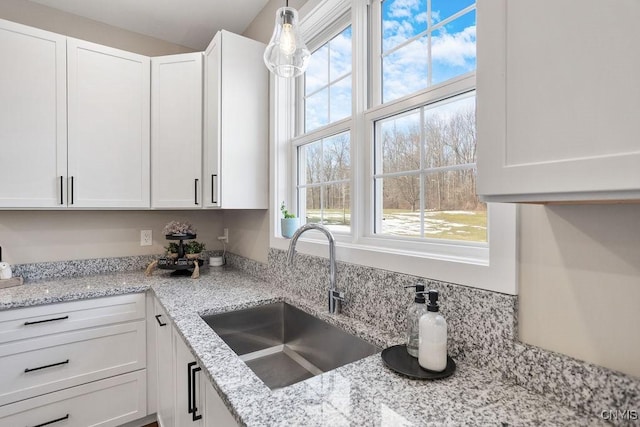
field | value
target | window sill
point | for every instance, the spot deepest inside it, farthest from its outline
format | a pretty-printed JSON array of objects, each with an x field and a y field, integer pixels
[{"x": 497, "y": 272}]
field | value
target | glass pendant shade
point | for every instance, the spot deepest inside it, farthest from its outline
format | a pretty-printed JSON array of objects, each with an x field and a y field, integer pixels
[{"x": 286, "y": 55}]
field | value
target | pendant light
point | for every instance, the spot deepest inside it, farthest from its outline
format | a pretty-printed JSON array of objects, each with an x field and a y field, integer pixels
[{"x": 286, "y": 55}]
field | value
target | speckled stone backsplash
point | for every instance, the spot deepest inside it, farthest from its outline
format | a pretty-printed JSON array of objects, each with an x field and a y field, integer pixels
[
  {"x": 482, "y": 330},
  {"x": 480, "y": 323}
]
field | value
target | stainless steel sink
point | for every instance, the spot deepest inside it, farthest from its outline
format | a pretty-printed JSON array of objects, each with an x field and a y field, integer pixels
[{"x": 284, "y": 345}]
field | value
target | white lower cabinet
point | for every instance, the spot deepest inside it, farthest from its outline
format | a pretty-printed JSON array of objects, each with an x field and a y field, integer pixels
[
  {"x": 109, "y": 402},
  {"x": 185, "y": 396},
  {"x": 62, "y": 362}
]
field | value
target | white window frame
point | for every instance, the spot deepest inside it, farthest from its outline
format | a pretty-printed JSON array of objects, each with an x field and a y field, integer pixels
[{"x": 492, "y": 267}]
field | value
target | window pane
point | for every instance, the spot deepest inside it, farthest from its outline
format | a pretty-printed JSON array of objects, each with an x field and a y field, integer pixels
[
  {"x": 337, "y": 212},
  {"x": 452, "y": 209},
  {"x": 317, "y": 111},
  {"x": 423, "y": 45},
  {"x": 310, "y": 198},
  {"x": 399, "y": 137},
  {"x": 405, "y": 70},
  {"x": 327, "y": 90},
  {"x": 340, "y": 107},
  {"x": 401, "y": 20},
  {"x": 340, "y": 55},
  {"x": 324, "y": 171},
  {"x": 442, "y": 9},
  {"x": 450, "y": 132},
  {"x": 317, "y": 74},
  {"x": 310, "y": 161},
  {"x": 337, "y": 159},
  {"x": 400, "y": 201},
  {"x": 453, "y": 48}
]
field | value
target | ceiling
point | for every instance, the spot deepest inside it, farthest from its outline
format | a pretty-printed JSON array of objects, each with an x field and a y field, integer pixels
[{"x": 190, "y": 23}]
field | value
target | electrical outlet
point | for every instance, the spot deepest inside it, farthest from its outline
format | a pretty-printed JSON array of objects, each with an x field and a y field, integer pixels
[{"x": 146, "y": 238}]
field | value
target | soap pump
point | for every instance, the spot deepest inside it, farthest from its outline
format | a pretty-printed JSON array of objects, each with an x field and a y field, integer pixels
[
  {"x": 414, "y": 313},
  {"x": 433, "y": 337}
]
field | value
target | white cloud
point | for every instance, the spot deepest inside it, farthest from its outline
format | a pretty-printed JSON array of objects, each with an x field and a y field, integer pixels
[
  {"x": 403, "y": 8},
  {"x": 454, "y": 49}
]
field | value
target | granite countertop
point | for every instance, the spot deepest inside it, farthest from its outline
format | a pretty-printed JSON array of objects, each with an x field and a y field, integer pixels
[{"x": 361, "y": 393}]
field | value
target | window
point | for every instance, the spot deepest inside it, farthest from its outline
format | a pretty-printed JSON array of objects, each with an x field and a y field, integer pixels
[
  {"x": 377, "y": 141},
  {"x": 425, "y": 173},
  {"x": 324, "y": 147},
  {"x": 425, "y": 42}
]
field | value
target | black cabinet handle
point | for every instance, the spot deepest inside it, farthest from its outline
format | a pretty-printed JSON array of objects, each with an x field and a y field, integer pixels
[
  {"x": 66, "y": 417},
  {"x": 160, "y": 321},
  {"x": 191, "y": 390},
  {"x": 45, "y": 321},
  {"x": 61, "y": 190},
  {"x": 46, "y": 366},
  {"x": 71, "y": 190},
  {"x": 212, "y": 189},
  {"x": 195, "y": 416},
  {"x": 190, "y": 399},
  {"x": 195, "y": 190}
]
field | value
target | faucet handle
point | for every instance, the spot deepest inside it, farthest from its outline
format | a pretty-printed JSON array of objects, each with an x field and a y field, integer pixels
[{"x": 336, "y": 295}]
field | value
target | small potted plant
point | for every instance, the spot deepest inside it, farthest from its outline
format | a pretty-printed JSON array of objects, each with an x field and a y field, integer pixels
[
  {"x": 193, "y": 249},
  {"x": 289, "y": 222},
  {"x": 172, "y": 250}
]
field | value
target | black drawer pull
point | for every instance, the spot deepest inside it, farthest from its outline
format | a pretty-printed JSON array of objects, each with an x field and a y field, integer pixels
[
  {"x": 160, "y": 321},
  {"x": 195, "y": 192},
  {"x": 45, "y": 321},
  {"x": 61, "y": 191},
  {"x": 66, "y": 417},
  {"x": 71, "y": 190},
  {"x": 46, "y": 366},
  {"x": 194, "y": 409}
]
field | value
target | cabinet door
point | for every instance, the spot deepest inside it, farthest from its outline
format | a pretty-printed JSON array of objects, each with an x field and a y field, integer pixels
[
  {"x": 216, "y": 413},
  {"x": 558, "y": 98},
  {"x": 109, "y": 97},
  {"x": 165, "y": 368},
  {"x": 189, "y": 401},
  {"x": 176, "y": 135},
  {"x": 236, "y": 123},
  {"x": 33, "y": 123}
]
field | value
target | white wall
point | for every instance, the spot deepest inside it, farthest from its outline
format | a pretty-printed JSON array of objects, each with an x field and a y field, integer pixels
[
  {"x": 580, "y": 282},
  {"x": 36, "y": 236},
  {"x": 37, "y": 15}
]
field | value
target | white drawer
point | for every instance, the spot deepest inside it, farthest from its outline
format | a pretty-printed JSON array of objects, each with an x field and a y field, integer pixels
[
  {"x": 45, "y": 364},
  {"x": 110, "y": 402},
  {"x": 21, "y": 323}
]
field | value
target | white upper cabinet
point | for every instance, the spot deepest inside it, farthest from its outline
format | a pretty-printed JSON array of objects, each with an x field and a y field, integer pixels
[
  {"x": 33, "y": 122},
  {"x": 558, "y": 100},
  {"x": 236, "y": 117},
  {"x": 108, "y": 108},
  {"x": 176, "y": 131}
]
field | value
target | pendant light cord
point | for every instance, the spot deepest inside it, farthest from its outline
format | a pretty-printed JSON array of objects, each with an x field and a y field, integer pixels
[{"x": 287, "y": 3}]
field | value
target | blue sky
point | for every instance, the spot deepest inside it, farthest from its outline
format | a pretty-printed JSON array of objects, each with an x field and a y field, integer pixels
[{"x": 405, "y": 69}]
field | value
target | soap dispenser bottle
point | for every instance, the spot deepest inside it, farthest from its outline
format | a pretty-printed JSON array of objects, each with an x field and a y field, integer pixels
[
  {"x": 432, "y": 354},
  {"x": 414, "y": 313}
]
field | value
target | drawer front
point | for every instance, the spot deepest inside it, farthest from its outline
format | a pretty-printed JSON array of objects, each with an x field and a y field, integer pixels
[
  {"x": 47, "y": 319},
  {"x": 110, "y": 402},
  {"x": 45, "y": 364}
]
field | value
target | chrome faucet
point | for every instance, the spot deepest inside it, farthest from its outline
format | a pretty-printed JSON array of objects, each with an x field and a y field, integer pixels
[{"x": 335, "y": 297}]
